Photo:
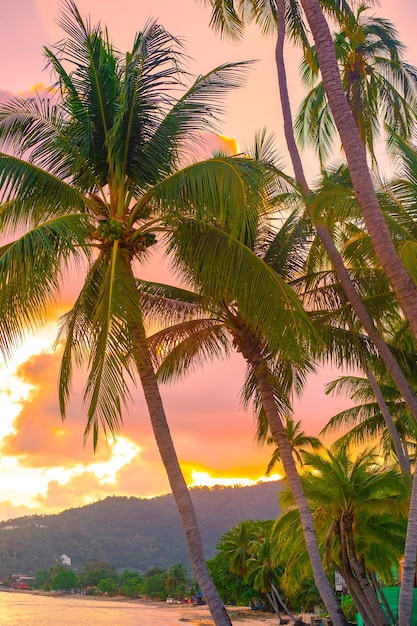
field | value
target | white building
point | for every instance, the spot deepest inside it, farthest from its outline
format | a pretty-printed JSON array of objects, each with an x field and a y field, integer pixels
[{"x": 65, "y": 560}]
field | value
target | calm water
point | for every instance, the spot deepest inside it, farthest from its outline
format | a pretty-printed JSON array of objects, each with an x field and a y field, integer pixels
[{"x": 20, "y": 609}]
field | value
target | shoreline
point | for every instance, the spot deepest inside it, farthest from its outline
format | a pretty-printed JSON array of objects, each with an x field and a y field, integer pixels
[{"x": 197, "y": 615}]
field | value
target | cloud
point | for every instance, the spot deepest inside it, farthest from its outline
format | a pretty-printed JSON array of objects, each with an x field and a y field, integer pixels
[
  {"x": 143, "y": 477},
  {"x": 78, "y": 491},
  {"x": 40, "y": 437},
  {"x": 9, "y": 511},
  {"x": 39, "y": 90}
]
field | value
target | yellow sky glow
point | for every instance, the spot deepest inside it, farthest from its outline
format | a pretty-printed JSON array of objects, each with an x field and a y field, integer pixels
[{"x": 206, "y": 479}]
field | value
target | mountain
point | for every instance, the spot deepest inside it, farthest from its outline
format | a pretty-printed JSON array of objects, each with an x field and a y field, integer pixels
[{"x": 130, "y": 533}]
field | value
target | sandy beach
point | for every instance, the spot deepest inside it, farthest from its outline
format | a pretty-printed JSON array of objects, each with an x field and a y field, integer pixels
[
  {"x": 240, "y": 616},
  {"x": 243, "y": 616},
  {"x": 183, "y": 613},
  {"x": 167, "y": 613}
]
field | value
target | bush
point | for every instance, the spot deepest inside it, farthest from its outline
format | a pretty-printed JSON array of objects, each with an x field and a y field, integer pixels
[{"x": 348, "y": 608}]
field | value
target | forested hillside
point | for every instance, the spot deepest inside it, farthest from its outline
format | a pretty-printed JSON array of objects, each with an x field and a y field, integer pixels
[{"x": 130, "y": 532}]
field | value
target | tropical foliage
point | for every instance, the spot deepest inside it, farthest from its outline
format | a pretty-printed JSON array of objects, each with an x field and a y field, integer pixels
[
  {"x": 360, "y": 511},
  {"x": 379, "y": 84},
  {"x": 90, "y": 179},
  {"x": 100, "y": 175}
]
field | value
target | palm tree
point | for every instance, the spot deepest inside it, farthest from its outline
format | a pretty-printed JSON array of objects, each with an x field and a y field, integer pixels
[
  {"x": 264, "y": 573},
  {"x": 272, "y": 14},
  {"x": 247, "y": 549},
  {"x": 365, "y": 420},
  {"x": 85, "y": 178},
  {"x": 379, "y": 84},
  {"x": 275, "y": 367},
  {"x": 300, "y": 442},
  {"x": 360, "y": 511},
  {"x": 328, "y": 298},
  {"x": 356, "y": 157}
]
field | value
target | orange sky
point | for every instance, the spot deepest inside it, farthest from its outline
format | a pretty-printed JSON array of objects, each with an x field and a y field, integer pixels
[{"x": 44, "y": 466}]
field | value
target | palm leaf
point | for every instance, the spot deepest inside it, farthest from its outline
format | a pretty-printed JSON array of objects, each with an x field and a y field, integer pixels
[
  {"x": 230, "y": 272},
  {"x": 31, "y": 273},
  {"x": 98, "y": 334},
  {"x": 31, "y": 194},
  {"x": 184, "y": 347}
]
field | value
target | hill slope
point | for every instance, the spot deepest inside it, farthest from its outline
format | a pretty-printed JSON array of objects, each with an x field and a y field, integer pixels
[{"x": 130, "y": 532}]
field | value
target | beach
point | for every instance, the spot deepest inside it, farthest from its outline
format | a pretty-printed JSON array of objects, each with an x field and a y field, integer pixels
[
  {"x": 30, "y": 608},
  {"x": 200, "y": 616}
]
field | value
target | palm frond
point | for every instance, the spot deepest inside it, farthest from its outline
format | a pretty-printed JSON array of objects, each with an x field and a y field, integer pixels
[
  {"x": 30, "y": 194},
  {"x": 185, "y": 347},
  {"x": 31, "y": 270},
  {"x": 227, "y": 270},
  {"x": 225, "y": 19},
  {"x": 98, "y": 335},
  {"x": 220, "y": 189}
]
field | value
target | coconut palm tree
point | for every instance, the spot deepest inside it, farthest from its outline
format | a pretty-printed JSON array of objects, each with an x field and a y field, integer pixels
[
  {"x": 85, "y": 178},
  {"x": 360, "y": 510},
  {"x": 275, "y": 367},
  {"x": 344, "y": 221},
  {"x": 355, "y": 152},
  {"x": 364, "y": 421},
  {"x": 247, "y": 549},
  {"x": 299, "y": 441},
  {"x": 275, "y": 14},
  {"x": 380, "y": 86}
]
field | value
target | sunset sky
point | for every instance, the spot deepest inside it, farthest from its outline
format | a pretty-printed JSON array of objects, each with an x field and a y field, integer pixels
[{"x": 44, "y": 466}]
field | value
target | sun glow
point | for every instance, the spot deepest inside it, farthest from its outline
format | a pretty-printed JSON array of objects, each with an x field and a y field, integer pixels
[
  {"x": 205, "y": 479},
  {"x": 230, "y": 144},
  {"x": 123, "y": 451}
]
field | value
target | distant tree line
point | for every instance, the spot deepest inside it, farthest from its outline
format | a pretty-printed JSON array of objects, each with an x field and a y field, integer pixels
[{"x": 100, "y": 578}]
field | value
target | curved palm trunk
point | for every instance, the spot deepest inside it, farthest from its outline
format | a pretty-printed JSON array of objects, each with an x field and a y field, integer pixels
[
  {"x": 402, "y": 455},
  {"x": 275, "y": 592},
  {"x": 377, "y": 585},
  {"x": 358, "y": 568},
  {"x": 401, "y": 281},
  {"x": 176, "y": 479},
  {"x": 356, "y": 156},
  {"x": 352, "y": 582},
  {"x": 405, "y": 606},
  {"x": 285, "y": 99},
  {"x": 355, "y": 152},
  {"x": 251, "y": 351},
  {"x": 275, "y": 606}
]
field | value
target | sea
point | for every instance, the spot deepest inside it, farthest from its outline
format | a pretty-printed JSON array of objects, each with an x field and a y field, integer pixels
[{"x": 21, "y": 609}]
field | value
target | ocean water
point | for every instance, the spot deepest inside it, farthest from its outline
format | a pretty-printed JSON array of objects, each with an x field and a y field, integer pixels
[{"x": 20, "y": 609}]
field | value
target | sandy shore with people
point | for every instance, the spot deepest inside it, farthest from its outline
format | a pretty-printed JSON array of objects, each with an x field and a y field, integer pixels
[
  {"x": 189, "y": 614},
  {"x": 240, "y": 616},
  {"x": 200, "y": 615}
]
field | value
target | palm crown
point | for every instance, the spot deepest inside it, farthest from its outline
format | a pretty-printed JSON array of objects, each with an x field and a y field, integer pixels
[
  {"x": 87, "y": 174},
  {"x": 379, "y": 84}
]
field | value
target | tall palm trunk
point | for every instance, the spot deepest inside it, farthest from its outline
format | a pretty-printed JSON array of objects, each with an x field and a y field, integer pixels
[
  {"x": 355, "y": 152},
  {"x": 352, "y": 583},
  {"x": 251, "y": 351},
  {"x": 400, "y": 451},
  {"x": 356, "y": 156},
  {"x": 405, "y": 606},
  {"x": 377, "y": 585},
  {"x": 176, "y": 479},
  {"x": 380, "y": 619}
]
